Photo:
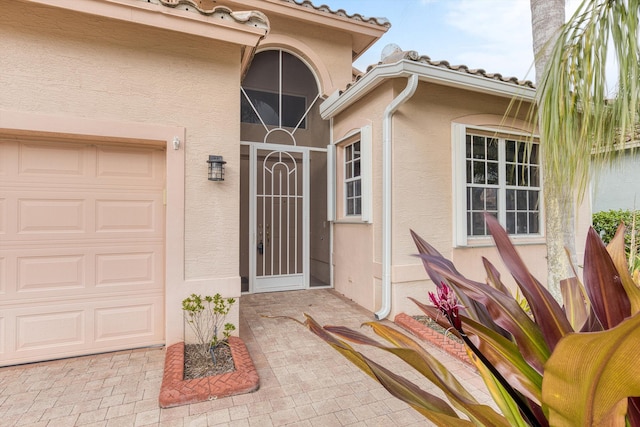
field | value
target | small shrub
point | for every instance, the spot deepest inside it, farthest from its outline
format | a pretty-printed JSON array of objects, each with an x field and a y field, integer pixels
[
  {"x": 606, "y": 224},
  {"x": 206, "y": 317}
]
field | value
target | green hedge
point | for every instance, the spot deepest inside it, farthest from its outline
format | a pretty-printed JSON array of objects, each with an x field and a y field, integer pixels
[{"x": 606, "y": 223}]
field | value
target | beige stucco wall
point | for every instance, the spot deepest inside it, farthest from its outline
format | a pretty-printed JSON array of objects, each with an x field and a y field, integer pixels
[
  {"x": 423, "y": 186},
  {"x": 70, "y": 65},
  {"x": 357, "y": 251},
  {"x": 422, "y": 193},
  {"x": 353, "y": 267}
]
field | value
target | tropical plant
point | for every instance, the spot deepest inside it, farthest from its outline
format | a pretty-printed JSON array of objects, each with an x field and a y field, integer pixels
[
  {"x": 586, "y": 109},
  {"x": 206, "y": 317},
  {"x": 564, "y": 366}
]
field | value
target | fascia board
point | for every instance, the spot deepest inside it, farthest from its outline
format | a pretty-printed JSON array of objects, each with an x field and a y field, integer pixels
[
  {"x": 336, "y": 103},
  {"x": 158, "y": 16},
  {"x": 468, "y": 81}
]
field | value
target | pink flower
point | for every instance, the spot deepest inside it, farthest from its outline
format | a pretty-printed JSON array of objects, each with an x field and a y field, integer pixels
[{"x": 447, "y": 302}]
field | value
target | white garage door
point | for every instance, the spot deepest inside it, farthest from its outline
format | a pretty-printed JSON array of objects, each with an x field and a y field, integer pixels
[{"x": 81, "y": 248}]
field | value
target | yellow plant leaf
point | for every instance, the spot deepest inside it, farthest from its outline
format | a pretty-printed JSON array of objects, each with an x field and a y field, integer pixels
[
  {"x": 616, "y": 249},
  {"x": 589, "y": 376}
]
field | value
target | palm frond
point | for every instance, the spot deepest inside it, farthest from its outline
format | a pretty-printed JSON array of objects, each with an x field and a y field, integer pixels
[{"x": 585, "y": 110}]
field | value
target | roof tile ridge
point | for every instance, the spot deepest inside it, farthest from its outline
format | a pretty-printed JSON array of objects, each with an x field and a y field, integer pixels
[
  {"x": 382, "y": 22},
  {"x": 412, "y": 55},
  {"x": 251, "y": 17}
]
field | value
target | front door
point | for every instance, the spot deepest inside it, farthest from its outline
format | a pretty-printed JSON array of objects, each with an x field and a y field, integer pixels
[{"x": 279, "y": 217}]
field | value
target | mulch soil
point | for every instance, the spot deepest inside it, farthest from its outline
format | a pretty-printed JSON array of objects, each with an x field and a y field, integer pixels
[{"x": 196, "y": 365}]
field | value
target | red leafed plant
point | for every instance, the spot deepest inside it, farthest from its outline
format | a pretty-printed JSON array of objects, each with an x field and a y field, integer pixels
[{"x": 570, "y": 365}]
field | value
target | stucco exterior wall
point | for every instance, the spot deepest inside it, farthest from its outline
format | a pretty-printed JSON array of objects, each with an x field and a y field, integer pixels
[
  {"x": 422, "y": 192},
  {"x": 353, "y": 273},
  {"x": 423, "y": 186},
  {"x": 77, "y": 66},
  {"x": 357, "y": 251}
]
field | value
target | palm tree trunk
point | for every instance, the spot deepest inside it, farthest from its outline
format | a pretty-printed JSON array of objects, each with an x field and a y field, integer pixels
[{"x": 547, "y": 16}]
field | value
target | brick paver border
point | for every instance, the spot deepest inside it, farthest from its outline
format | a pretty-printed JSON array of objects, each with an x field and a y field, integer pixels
[
  {"x": 426, "y": 333},
  {"x": 176, "y": 391}
]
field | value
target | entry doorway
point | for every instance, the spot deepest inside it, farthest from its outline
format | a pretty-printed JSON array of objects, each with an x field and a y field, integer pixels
[
  {"x": 285, "y": 231},
  {"x": 279, "y": 218},
  {"x": 285, "y": 237}
]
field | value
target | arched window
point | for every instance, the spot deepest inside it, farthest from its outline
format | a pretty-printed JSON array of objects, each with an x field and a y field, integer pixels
[{"x": 279, "y": 101}]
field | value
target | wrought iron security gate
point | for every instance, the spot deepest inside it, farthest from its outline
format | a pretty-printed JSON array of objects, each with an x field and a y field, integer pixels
[{"x": 279, "y": 217}]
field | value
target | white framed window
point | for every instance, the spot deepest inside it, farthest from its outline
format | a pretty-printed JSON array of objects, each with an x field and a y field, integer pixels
[
  {"x": 498, "y": 173},
  {"x": 352, "y": 180},
  {"x": 349, "y": 168}
]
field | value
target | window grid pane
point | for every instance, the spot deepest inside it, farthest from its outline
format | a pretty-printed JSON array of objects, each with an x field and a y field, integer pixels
[
  {"x": 523, "y": 191},
  {"x": 519, "y": 187},
  {"x": 352, "y": 181}
]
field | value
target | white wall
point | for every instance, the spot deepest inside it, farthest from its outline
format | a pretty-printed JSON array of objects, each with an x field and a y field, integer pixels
[{"x": 617, "y": 186}]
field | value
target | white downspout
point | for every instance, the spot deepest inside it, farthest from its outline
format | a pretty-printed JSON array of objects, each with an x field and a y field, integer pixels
[{"x": 387, "y": 163}]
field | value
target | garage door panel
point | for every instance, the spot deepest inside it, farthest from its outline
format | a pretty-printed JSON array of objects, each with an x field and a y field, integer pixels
[
  {"x": 48, "y": 160},
  {"x": 99, "y": 214},
  {"x": 3, "y": 335},
  {"x": 126, "y": 322},
  {"x": 3, "y": 216},
  {"x": 96, "y": 269},
  {"x": 3, "y": 275},
  {"x": 42, "y": 332},
  {"x": 58, "y": 329},
  {"x": 51, "y": 273},
  {"x": 71, "y": 329},
  {"x": 135, "y": 270},
  {"x": 81, "y": 249},
  {"x": 127, "y": 215},
  {"x": 7, "y": 157},
  {"x": 121, "y": 163},
  {"x": 51, "y": 215}
]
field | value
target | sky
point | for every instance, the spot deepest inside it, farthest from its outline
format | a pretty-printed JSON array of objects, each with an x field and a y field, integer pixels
[{"x": 494, "y": 35}]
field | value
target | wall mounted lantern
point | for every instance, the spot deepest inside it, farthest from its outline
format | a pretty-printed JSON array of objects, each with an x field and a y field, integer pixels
[{"x": 216, "y": 168}]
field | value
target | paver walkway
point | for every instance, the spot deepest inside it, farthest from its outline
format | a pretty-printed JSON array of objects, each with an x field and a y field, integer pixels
[{"x": 304, "y": 382}]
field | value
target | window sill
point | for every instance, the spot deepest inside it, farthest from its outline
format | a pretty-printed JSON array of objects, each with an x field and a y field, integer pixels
[
  {"x": 515, "y": 240},
  {"x": 354, "y": 220}
]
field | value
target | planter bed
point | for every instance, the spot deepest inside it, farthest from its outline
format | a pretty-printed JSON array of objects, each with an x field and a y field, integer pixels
[
  {"x": 434, "y": 337},
  {"x": 175, "y": 390}
]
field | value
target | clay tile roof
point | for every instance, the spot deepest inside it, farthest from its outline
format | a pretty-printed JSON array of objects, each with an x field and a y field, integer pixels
[
  {"x": 412, "y": 55},
  {"x": 383, "y": 22},
  {"x": 208, "y": 8}
]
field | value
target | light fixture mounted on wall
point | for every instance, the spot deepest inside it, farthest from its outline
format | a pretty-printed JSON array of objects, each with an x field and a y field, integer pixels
[{"x": 216, "y": 168}]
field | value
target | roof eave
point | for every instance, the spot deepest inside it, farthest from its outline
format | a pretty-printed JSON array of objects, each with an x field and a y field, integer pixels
[
  {"x": 338, "y": 102},
  {"x": 168, "y": 18},
  {"x": 364, "y": 33}
]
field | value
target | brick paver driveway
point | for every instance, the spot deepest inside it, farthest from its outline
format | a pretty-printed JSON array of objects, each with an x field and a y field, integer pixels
[{"x": 303, "y": 381}]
